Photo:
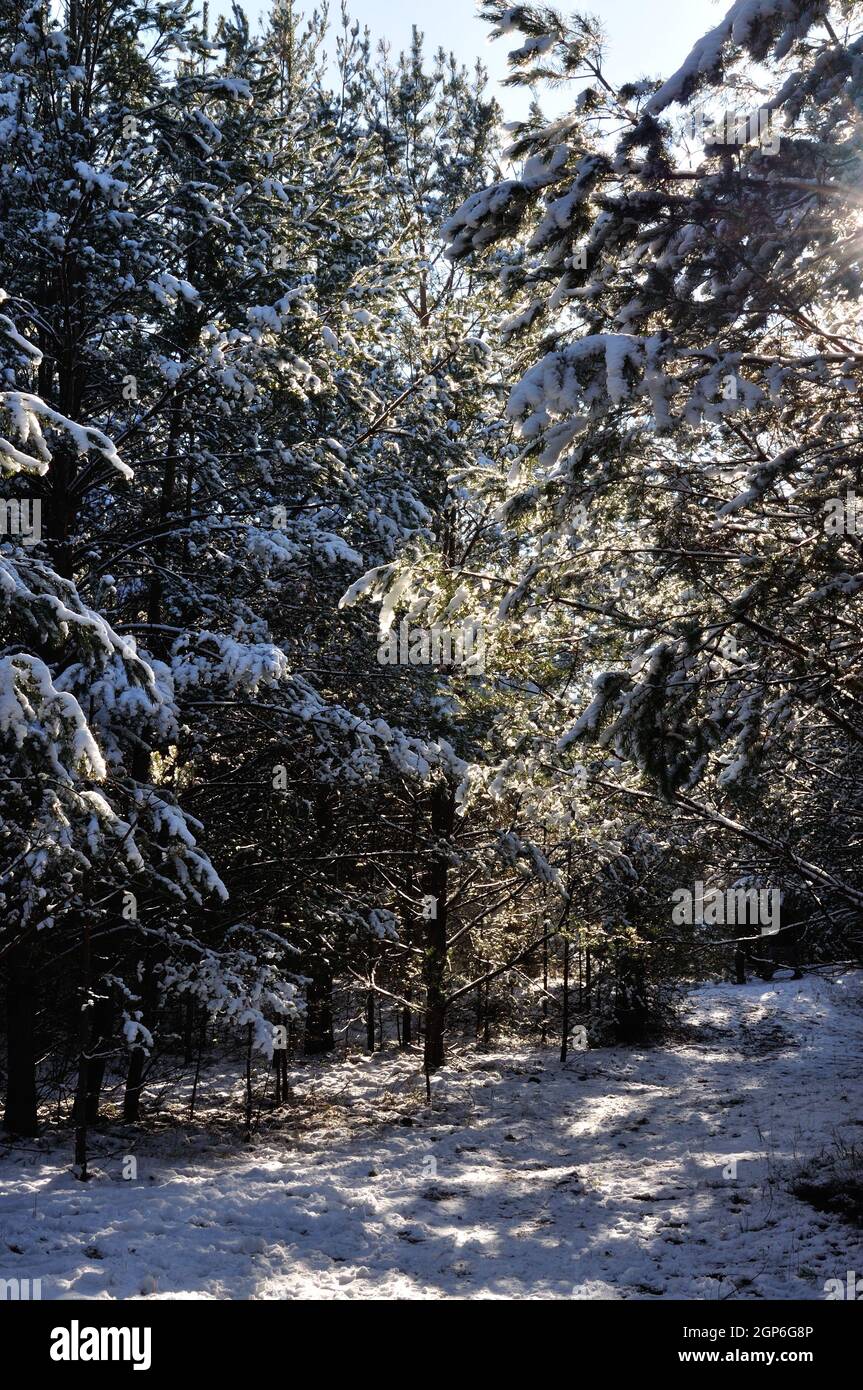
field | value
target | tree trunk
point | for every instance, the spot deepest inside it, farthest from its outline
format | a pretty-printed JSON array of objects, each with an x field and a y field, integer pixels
[
  {"x": 249, "y": 1092},
  {"x": 189, "y": 1032},
  {"x": 435, "y": 1050},
  {"x": 134, "y": 1085},
  {"x": 84, "y": 1035},
  {"x": 137, "y": 1060},
  {"x": 201, "y": 1032},
  {"x": 406, "y": 1034},
  {"x": 631, "y": 1006},
  {"x": 319, "y": 1037},
  {"x": 20, "y": 1115},
  {"x": 543, "y": 1027},
  {"x": 564, "y": 1026},
  {"x": 101, "y": 1022},
  {"x": 434, "y": 965},
  {"x": 319, "y": 1010}
]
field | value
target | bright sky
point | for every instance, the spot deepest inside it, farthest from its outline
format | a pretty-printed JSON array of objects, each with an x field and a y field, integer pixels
[{"x": 647, "y": 38}]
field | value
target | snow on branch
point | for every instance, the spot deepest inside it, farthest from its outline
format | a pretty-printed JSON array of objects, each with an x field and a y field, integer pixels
[{"x": 755, "y": 25}]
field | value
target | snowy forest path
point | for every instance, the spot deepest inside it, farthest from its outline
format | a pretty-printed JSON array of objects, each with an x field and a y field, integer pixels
[{"x": 652, "y": 1173}]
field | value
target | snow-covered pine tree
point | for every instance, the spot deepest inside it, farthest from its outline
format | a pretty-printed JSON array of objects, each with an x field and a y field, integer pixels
[
  {"x": 82, "y": 837},
  {"x": 216, "y": 290},
  {"x": 691, "y": 412},
  {"x": 473, "y": 865},
  {"x": 97, "y": 191}
]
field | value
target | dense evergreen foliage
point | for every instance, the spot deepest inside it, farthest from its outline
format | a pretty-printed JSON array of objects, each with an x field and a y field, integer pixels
[{"x": 442, "y": 546}]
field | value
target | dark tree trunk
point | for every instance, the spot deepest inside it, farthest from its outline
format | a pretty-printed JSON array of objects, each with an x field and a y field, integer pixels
[
  {"x": 201, "y": 1032},
  {"x": 564, "y": 1026},
  {"x": 631, "y": 1007},
  {"x": 100, "y": 1036},
  {"x": 137, "y": 1060},
  {"x": 84, "y": 1036},
  {"x": 19, "y": 1115},
  {"x": 134, "y": 1084},
  {"x": 318, "y": 1036},
  {"x": 370, "y": 1022},
  {"x": 189, "y": 1032},
  {"x": 434, "y": 966},
  {"x": 284, "y": 1089},
  {"x": 406, "y": 1033},
  {"x": 435, "y": 1050},
  {"x": 543, "y": 1027},
  {"x": 280, "y": 1067},
  {"x": 249, "y": 1092},
  {"x": 319, "y": 1010}
]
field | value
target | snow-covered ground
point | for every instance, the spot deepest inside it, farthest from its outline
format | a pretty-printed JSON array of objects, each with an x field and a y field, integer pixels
[{"x": 612, "y": 1176}]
